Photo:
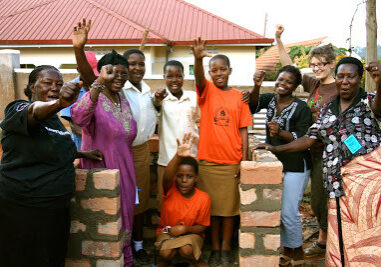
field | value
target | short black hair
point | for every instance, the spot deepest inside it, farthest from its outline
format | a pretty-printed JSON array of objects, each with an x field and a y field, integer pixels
[
  {"x": 190, "y": 161},
  {"x": 293, "y": 70},
  {"x": 173, "y": 63},
  {"x": 220, "y": 56},
  {"x": 34, "y": 75},
  {"x": 351, "y": 60},
  {"x": 112, "y": 58},
  {"x": 129, "y": 52}
]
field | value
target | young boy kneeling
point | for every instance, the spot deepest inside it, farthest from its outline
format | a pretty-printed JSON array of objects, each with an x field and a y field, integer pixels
[{"x": 185, "y": 212}]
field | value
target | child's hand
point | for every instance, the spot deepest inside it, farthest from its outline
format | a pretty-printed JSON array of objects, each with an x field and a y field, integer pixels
[
  {"x": 198, "y": 48},
  {"x": 246, "y": 97},
  {"x": 279, "y": 31},
  {"x": 80, "y": 33},
  {"x": 184, "y": 148},
  {"x": 160, "y": 94},
  {"x": 258, "y": 77},
  {"x": 178, "y": 230},
  {"x": 273, "y": 128}
]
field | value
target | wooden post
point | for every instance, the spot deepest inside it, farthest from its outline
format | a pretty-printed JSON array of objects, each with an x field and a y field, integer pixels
[
  {"x": 371, "y": 40},
  {"x": 141, "y": 48}
]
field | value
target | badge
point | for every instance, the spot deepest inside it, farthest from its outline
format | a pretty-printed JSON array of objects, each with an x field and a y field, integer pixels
[{"x": 352, "y": 144}]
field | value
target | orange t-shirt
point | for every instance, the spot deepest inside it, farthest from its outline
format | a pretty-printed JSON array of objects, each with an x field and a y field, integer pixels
[
  {"x": 222, "y": 114},
  {"x": 178, "y": 210}
]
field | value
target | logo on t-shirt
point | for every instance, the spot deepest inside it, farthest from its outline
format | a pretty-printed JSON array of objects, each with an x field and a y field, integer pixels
[
  {"x": 221, "y": 117},
  {"x": 21, "y": 107}
]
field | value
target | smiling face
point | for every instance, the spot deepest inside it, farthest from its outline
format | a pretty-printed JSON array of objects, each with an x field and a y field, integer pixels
[
  {"x": 219, "y": 71},
  {"x": 174, "y": 79},
  {"x": 321, "y": 67},
  {"x": 285, "y": 84},
  {"x": 348, "y": 81},
  {"x": 121, "y": 76},
  {"x": 136, "y": 69},
  {"x": 186, "y": 179},
  {"x": 47, "y": 86}
]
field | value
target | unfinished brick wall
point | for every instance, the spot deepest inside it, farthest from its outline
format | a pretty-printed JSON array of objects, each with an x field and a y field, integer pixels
[
  {"x": 261, "y": 193},
  {"x": 95, "y": 234}
]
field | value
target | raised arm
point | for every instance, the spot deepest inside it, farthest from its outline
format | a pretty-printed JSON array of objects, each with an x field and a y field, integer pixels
[
  {"x": 80, "y": 34},
  {"x": 183, "y": 150},
  {"x": 199, "y": 53},
  {"x": 283, "y": 55},
  {"x": 40, "y": 111},
  {"x": 374, "y": 69},
  {"x": 258, "y": 78}
]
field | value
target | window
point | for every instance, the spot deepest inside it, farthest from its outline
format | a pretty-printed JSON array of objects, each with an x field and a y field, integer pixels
[{"x": 191, "y": 71}]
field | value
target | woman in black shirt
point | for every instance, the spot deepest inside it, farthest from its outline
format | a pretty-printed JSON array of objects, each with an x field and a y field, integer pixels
[
  {"x": 37, "y": 173},
  {"x": 287, "y": 118}
]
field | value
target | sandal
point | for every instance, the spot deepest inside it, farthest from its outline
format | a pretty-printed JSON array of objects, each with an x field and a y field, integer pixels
[
  {"x": 284, "y": 260},
  {"x": 298, "y": 263}
]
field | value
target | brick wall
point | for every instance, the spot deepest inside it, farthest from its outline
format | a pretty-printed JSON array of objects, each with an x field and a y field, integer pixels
[
  {"x": 261, "y": 193},
  {"x": 95, "y": 234}
]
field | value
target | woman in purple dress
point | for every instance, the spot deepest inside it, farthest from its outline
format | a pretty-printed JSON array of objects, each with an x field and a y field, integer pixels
[{"x": 107, "y": 125}]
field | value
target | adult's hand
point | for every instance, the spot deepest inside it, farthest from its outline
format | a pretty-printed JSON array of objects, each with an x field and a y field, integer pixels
[
  {"x": 93, "y": 155},
  {"x": 274, "y": 128},
  {"x": 69, "y": 93},
  {"x": 198, "y": 48},
  {"x": 258, "y": 77},
  {"x": 279, "y": 30},
  {"x": 107, "y": 74},
  {"x": 265, "y": 146},
  {"x": 80, "y": 33},
  {"x": 374, "y": 69}
]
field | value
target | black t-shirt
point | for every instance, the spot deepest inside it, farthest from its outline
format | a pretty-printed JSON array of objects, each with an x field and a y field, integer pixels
[
  {"x": 37, "y": 164},
  {"x": 296, "y": 119}
]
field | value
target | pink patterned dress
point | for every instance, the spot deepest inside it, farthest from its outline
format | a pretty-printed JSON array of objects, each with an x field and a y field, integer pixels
[{"x": 111, "y": 130}]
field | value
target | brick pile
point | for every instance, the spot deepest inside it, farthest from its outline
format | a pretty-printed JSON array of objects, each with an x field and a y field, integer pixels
[
  {"x": 95, "y": 234},
  {"x": 261, "y": 193}
]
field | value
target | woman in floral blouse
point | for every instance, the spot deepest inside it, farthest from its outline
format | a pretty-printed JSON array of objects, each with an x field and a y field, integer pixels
[
  {"x": 348, "y": 127},
  {"x": 287, "y": 118}
]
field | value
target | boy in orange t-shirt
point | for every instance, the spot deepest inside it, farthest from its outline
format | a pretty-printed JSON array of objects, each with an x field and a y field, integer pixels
[
  {"x": 185, "y": 211},
  {"x": 222, "y": 146}
]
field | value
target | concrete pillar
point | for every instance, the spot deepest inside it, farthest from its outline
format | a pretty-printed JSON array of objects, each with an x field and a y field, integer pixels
[{"x": 9, "y": 60}]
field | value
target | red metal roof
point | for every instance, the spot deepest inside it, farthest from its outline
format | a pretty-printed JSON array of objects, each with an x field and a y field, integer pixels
[{"x": 117, "y": 21}]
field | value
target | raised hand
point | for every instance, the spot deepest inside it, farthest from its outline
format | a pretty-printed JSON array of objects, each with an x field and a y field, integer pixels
[
  {"x": 258, "y": 77},
  {"x": 69, "y": 93},
  {"x": 160, "y": 94},
  {"x": 184, "y": 148},
  {"x": 198, "y": 48},
  {"x": 80, "y": 33},
  {"x": 374, "y": 69},
  {"x": 107, "y": 74},
  {"x": 279, "y": 31}
]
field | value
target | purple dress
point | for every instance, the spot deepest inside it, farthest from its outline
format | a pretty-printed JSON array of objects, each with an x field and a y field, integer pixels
[{"x": 111, "y": 130}]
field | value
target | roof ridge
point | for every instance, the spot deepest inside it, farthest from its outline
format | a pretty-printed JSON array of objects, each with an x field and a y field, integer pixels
[
  {"x": 130, "y": 22},
  {"x": 224, "y": 20},
  {"x": 27, "y": 9}
]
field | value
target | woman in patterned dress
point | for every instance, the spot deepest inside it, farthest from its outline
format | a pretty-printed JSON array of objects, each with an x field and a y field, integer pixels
[
  {"x": 349, "y": 129},
  {"x": 107, "y": 124}
]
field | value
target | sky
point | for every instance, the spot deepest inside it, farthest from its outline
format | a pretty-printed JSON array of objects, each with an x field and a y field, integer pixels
[{"x": 302, "y": 19}]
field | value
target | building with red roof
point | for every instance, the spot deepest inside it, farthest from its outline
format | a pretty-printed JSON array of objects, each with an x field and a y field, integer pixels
[{"x": 42, "y": 29}]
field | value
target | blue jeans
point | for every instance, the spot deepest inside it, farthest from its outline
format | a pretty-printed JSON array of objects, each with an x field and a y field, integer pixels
[{"x": 294, "y": 185}]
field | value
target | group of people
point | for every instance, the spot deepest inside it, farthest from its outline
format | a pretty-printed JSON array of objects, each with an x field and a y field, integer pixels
[{"x": 330, "y": 138}]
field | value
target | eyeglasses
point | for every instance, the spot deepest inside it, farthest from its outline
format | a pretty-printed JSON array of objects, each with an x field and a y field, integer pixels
[{"x": 320, "y": 65}]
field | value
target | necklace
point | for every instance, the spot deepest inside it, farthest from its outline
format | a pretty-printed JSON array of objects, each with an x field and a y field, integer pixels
[{"x": 115, "y": 103}]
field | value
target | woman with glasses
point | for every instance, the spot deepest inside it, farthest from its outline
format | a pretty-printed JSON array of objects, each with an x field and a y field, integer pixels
[{"x": 322, "y": 89}]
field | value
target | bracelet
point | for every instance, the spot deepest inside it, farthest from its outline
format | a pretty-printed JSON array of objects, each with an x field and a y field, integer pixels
[{"x": 98, "y": 86}]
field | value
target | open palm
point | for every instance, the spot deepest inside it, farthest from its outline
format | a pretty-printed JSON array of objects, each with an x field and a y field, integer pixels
[
  {"x": 184, "y": 148},
  {"x": 80, "y": 33}
]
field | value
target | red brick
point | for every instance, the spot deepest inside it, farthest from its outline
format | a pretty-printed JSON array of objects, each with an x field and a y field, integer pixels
[
  {"x": 102, "y": 249},
  {"x": 261, "y": 172},
  {"x": 110, "y": 228},
  {"x": 110, "y": 263},
  {"x": 271, "y": 194},
  {"x": 108, "y": 205},
  {"x": 260, "y": 218},
  {"x": 77, "y": 226},
  {"x": 247, "y": 196},
  {"x": 77, "y": 263},
  {"x": 246, "y": 240},
  {"x": 259, "y": 260},
  {"x": 271, "y": 242},
  {"x": 80, "y": 179},
  {"x": 107, "y": 179}
]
